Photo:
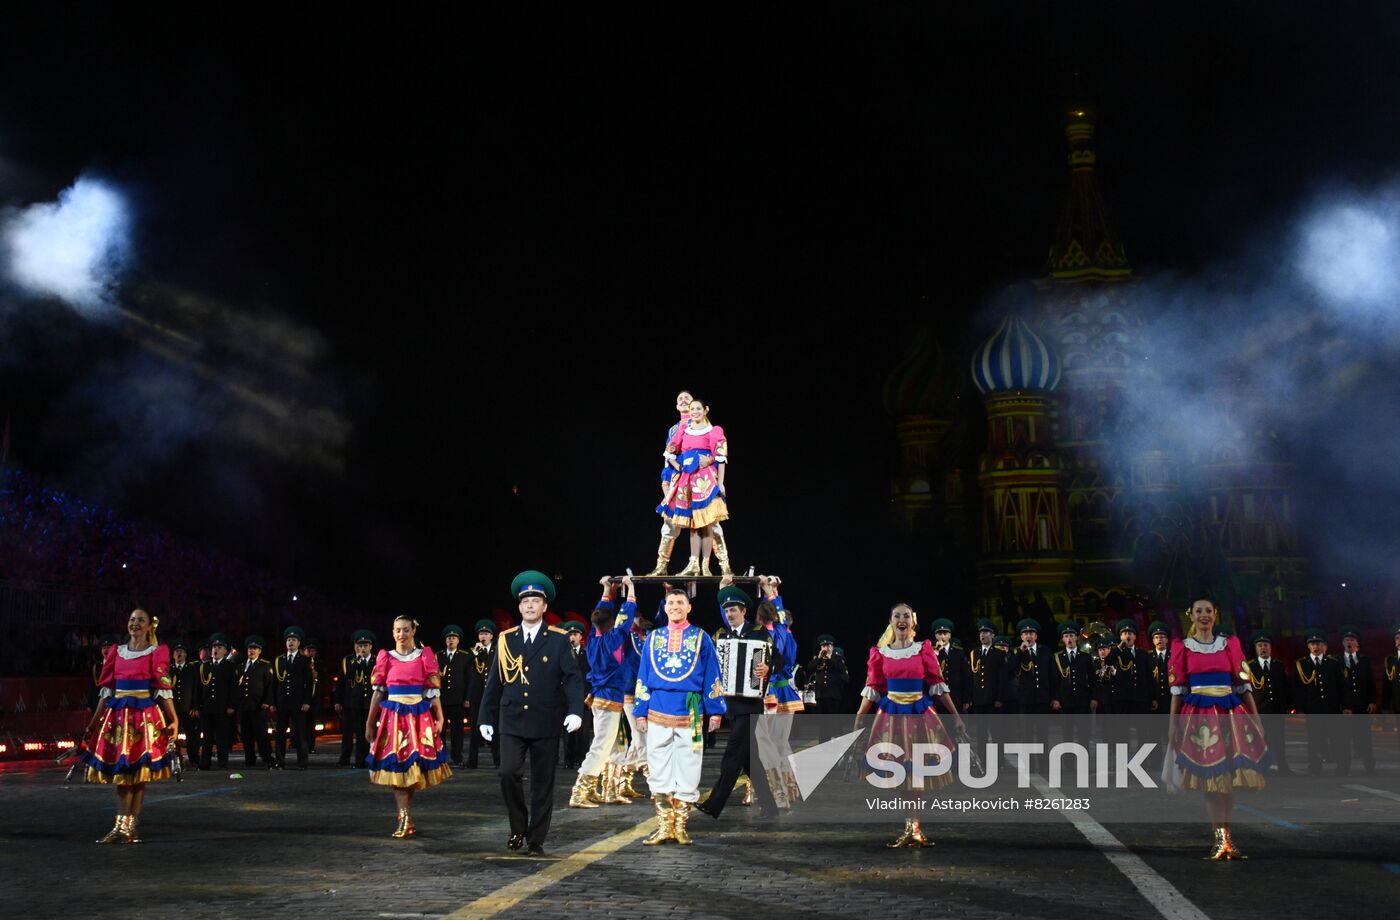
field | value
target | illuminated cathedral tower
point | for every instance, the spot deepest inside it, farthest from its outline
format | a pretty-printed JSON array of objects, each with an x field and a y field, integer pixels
[
  {"x": 921, "y": 397},
  {"x": 1027, "y": 548}
]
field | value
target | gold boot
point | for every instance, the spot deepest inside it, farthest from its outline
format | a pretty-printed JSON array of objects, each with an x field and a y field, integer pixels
[
  {"x": 903, "y": 839},
  {"x": 778, "y": 788},
  {"x": 916, "y": 836},
  {"x": 611, "y": 787},
  {"x": 691, "y": 568},
  {"x": 627, "y": 788},
  {"x": 705, "y": 568},
  {"x": 794, "y": 791},
  {"x": 721, "y": 549},
  {"x": 663, "y": 555},
  {"x": 131, "y": 830},
  {"x": 118, "y": 832},
  {"x": 585, "y": 792},
  {"x": 405, "y": 826},
  {"x": 1230, "y": 851},
  {"x": 663, "y": 830},
  {"x": 1217, "y": 848},
  {"x": 680, "y": 816},
  {"x": 747, "y": 800}
]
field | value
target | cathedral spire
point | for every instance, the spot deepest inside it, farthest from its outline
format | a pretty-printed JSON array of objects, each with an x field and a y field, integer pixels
[{"x": 1084, "y": 247}]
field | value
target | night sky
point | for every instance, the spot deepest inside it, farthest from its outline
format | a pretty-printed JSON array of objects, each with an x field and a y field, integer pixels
[{"x": 519, "y": 237}]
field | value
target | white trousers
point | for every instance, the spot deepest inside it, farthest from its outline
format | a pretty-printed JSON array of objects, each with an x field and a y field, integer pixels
[
  {"x": 674, "y": 762},
  {"x": 635, "y": 754},
  {"x": 605, "y": 723}
]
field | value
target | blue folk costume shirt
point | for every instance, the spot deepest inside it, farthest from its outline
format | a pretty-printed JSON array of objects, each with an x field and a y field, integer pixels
[
  {"x": 607, "y": 659},
  {"x": 780, "y": 688},
  {"x": 678, "y": 682}
]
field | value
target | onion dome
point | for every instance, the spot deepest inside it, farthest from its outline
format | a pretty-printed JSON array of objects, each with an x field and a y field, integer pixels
[
  {"x": 1015, "y": 358},
  {"x": 924, "y": 383},
  {"x": 1085, "y": 246}
]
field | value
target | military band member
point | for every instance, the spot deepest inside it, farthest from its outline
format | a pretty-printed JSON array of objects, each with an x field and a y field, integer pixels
[
  {"x": 353, "y": 699},
  {"x": 1104, "y": 677},
  {"x": 742, "y": 712},
  {"x": 827, "y": 679},
  {"x": 480, "y": 666},
  {"x": 987, "y": 668},
  {"x": 1358, "y": 705},
  {"x": 214, "y": 703},
  {"x": 1161, "y": 663},
  {"x": 253, "y": 700},
  {"x": 1268, "y": 679},
  {"x": 678, "y": 685},
  {"x": 1391, "y": 688},
  {"x": 576, "y": 744},
  {"x": 953, "y": 662},
  {"x": 95, "y": 668},
  {"x": 606, "y": 663},
  {"x": 311, "y": 651},
  {"x": 532, "y": 689},
  {"x": 455, "y": 666},
  {"x": 183, "y": 681},
  {"x": 1070, "y": 683},
  {"x": 292, "y": 690},
  {"x": 1317, "y": 693},
  {"x": 1031, "y": 668}
]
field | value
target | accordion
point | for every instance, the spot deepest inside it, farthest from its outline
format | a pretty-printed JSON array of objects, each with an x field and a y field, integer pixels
[{"x": 737, "y": 660}]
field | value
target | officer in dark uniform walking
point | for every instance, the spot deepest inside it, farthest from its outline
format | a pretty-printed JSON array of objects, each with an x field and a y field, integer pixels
[
  {"x": 253, "y": 700},
  {"x": 1031, "y": 667},
  {"x": 213, "y": 702},
  {"x": 533, "y": 690},
  {"x": 1161, "y": 704},
  {"x": 481, "y": 655},
  {"x": 292, "y": 672},
  {"x": 353, "y": 697},
  {"x": 987, "y": 666},
  {"x": 454, "y": 667},
  {"x": 1268, "y": 680},
  {"x": 1070, "y": 684},
  {"x": 1317, "y": 693},
  {"x": 183, "y": 681},
  {"x": 1358, "y": 705}
]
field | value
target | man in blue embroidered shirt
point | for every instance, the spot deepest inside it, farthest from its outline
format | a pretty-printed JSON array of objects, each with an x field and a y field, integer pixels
[{"x": 678, "y": 684}]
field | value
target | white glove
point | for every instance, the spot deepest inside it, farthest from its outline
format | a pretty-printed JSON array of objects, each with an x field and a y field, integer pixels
[
  {"x": 487, "y": 732},
  {"x": 572, "y": 723}
]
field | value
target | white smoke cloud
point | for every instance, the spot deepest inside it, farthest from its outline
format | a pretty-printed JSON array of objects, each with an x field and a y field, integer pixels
[
  {"x": 1348, "y": 250},
  {"x": 73, "y": 249}
]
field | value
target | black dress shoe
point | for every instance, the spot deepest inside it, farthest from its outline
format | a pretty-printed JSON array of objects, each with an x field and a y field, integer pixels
[
  {"x": 767, "y": 813},
  {"x": 515, "y": 842},
  {"x": 705, "y": 809},
  {"x": 535, "y": 850}
]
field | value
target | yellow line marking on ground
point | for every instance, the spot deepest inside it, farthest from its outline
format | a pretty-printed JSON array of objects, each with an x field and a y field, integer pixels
[{"x": 508, "y": 896}]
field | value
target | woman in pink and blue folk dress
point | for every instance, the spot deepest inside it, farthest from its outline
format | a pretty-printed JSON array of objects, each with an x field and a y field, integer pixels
[
  {"x": 698, "y": 452},
  {"x": 407, "y": 753},
  {"x": 902, "y": 677}
]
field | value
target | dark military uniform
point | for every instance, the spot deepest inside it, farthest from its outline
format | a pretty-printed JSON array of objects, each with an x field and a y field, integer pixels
[
  {"x": 183, "y": 680},
  {"x": 740, "y": 712},
  {"x": 294, "y": 680},
  {"x": 454, "y": 667},
  {"x": 1071, "y": 685},
  {"x": 313, "y": 715},
  {"x": 576, "y": 744},
  {"x": 1317, "y": 691},
  {"x": 1031, "y": 672},
  {"x": 987, "y": 670},
  {"x": 1358, "y": 697},
  {"x": 1269, "y": 683},
  {"x": 353, "y": 695},
  {"x": 952, "y": 663},
  {"x": 251, "y": 698},
  {"x": 1105, "y": 679},
  {"x": 480, "y": 666},
  {"x": 214, "y": 699},
  {"x": 529, "y": 692},
  {"x": 828, "y": 678}
]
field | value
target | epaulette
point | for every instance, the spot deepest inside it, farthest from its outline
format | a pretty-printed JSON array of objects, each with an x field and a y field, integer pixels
[
  {"x": 507, "y": 632},
  {"x": 556, "y": 629}
]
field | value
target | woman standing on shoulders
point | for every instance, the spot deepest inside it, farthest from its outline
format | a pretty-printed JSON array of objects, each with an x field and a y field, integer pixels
[
  {"x": 136, "y": 714},
  {"x": 407, "y": 753},
  {"x": 695, "y": 499},
  {"x": 902, "y": 676},
  {"x": 1215, "y": 728}
]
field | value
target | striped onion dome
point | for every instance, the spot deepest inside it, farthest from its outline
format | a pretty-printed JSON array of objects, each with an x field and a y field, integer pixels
[{"x": 1015, "y": 358}]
